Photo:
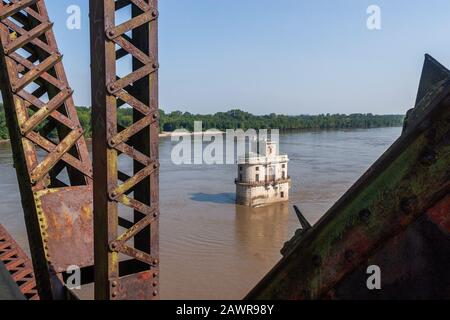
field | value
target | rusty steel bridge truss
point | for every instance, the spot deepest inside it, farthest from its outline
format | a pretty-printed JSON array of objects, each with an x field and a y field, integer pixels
[
  {"x": 125, "y": 74},
  {"x": 51, "y": 156},
  {"x": 396, "y": 216},
  {"x": 50, "y": 153},
  {"x": 18, "y": 265}
]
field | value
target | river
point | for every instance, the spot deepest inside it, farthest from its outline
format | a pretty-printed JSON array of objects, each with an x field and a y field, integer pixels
[{"x": 213, "y": 249}]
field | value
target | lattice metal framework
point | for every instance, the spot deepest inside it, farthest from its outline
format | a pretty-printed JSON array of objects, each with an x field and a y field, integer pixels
[
  {"x": 50, "y": 153},
  {"x": 125, "y": 75},
  {"x": 18, "y": 265}
]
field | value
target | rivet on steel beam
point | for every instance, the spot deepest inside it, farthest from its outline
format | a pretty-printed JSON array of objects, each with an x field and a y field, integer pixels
[
  {"x": 407, "y": 205},
  {"x": 428, "y": 157},
  {"x": 155, "y": 275},
  {"x": 114, "y": 294},
  {"x": 316, "y": 260},
  {"x": 112, "y": 88},
  {"x": 155, "y": 284},
  {"x": 113, "y": 195},
  {"x": 155, "y": 13},
  {"x": 112, "y": 142},
  {"x": 114, "y": 246},
  {"x": 114, "y": 284},
  {"x": 155, "y": 293},
  {"x": 364, "y": 215},
  {"x": 155, "y": 214},
  {"x": 155, "y": 65},
  {"x": 155, "y": 262}
]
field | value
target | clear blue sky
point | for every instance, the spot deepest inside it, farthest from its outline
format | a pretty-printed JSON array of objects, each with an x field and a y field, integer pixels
[{"x": 284, "y": 56}]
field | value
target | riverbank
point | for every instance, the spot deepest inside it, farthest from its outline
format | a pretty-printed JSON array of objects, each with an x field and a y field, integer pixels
[{"x": 164, "y": 134}]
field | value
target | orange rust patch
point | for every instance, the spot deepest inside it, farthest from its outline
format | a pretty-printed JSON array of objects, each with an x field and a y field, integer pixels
[
  {"x": 440, "y": 214},
  {"x": 69, "y": 227},
  {"x": 146, "y": 276}
]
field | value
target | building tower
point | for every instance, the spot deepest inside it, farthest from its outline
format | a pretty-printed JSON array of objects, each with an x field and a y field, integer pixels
[{"x": 263, "y": 178}]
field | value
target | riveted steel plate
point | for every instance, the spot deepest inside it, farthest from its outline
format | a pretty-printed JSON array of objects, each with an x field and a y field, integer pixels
[{"x": 65, "y": 217}]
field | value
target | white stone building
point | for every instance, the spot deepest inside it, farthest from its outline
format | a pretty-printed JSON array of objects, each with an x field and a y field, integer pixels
[{"x": 263, "y": 178}]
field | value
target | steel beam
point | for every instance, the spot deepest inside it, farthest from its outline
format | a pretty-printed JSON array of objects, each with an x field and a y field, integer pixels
[
  {"x": 119, "y": 237},
  {"x": 50, "y": 153},
  {"x": 396, "y": 216}
]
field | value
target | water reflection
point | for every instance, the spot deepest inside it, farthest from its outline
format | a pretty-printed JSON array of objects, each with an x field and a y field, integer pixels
[{"x": 258, "y": 227}]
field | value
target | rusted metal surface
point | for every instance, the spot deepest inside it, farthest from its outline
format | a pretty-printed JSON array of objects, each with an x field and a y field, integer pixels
[
  {"x": 67, "y": 226},
  {"x": 50, "y": 153},
  {"x": 396, "y": 216},
  {"x": 414, "y": 264},
  {"x": 18, "y": 265},
  {"x": 119, "y": 237}
]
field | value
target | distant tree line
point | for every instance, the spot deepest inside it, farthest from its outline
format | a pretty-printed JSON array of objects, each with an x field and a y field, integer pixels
[{"x": 237, "y": 119}]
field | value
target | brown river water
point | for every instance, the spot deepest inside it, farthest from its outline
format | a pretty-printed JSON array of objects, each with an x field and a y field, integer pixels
[{"x": 213, "y": 249}]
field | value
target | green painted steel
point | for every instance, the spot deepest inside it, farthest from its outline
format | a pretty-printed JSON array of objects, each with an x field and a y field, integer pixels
[{"x": 406, "y": 182}]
